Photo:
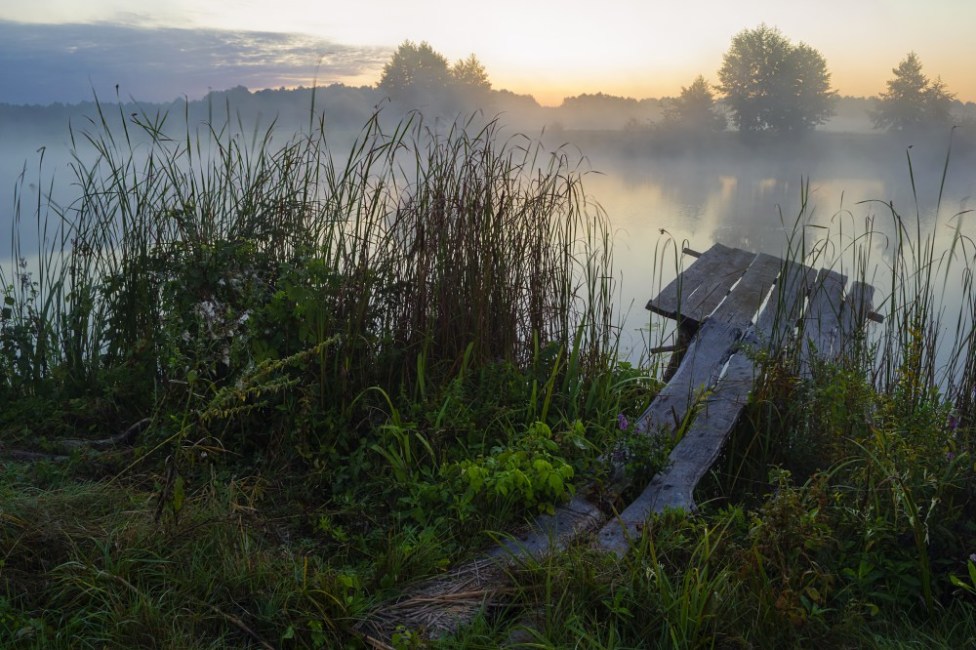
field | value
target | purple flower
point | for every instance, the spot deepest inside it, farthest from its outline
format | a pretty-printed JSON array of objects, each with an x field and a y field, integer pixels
[
  {"x": 953, "y": 422},
  {"x": 622, "y": 422}
]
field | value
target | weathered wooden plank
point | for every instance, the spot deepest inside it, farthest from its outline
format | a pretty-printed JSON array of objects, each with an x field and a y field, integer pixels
[
  {"x": 747, "y": 296},
  {"x": 696, "y": 292},
  {"x": 550, "y": 533},
  {"x": 820, "y": 326},
  {"x": 689, "y": 460},
  {"x": 703, "y": 441},
  {"x": 711, "y": 347},
  {"x": 699, "y": 369},
  {"x": 778, "y": 318}
]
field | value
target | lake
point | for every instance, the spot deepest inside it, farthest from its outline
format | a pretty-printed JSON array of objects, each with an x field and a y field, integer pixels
[
  {"x": 660, "y": 199},
  {"x": 751, "y": 198}
]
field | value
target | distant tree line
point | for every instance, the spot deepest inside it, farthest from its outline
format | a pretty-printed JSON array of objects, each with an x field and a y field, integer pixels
[
  {"x": 766, "y": 84},
  {"x": 770, "y": 84},
  {"x": 419, "y": 75}
]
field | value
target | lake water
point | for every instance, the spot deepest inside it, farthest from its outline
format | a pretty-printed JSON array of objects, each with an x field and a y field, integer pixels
[
  {"x": 739, "y": 195},
  {"x": 752, "y": 199}
]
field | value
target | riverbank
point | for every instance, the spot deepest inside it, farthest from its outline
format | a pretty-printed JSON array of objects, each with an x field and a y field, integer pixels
[{"x": 351, "y": 377}]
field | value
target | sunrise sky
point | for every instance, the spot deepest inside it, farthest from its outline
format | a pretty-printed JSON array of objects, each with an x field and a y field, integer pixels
[{"x": 636, "y": 48}]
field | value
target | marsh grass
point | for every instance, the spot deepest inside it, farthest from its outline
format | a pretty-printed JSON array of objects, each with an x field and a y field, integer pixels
[
  {"x": 339, "y": 331},
  {"x": 190, "y": 259},
  {"x": 359, "y": 368}
]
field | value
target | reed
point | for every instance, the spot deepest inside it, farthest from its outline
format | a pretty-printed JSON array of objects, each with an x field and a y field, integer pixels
[{"x": 193, "y": 254}]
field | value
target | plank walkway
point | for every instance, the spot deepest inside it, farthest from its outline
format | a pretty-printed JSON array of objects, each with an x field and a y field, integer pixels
[
  {"x": 728, "y": 303},
  {"x": 717, "y": 370}
]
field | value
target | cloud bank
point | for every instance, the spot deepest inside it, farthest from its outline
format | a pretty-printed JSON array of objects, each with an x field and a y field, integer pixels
[{"x": 42, "y": 64}]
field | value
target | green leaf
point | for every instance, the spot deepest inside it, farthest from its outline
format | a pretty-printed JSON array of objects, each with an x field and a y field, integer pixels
[
  {"x": 556, "y": 483},
  {"x": 178, "y": 494}
]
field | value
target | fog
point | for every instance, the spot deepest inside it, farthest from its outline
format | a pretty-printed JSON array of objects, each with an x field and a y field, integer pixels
[{"x": 654, "y": 186}]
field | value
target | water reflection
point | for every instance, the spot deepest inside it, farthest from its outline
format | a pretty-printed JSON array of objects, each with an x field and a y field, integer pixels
[
  {"x": 763, "y": 203},
  {"x": 839, "y": 190}
]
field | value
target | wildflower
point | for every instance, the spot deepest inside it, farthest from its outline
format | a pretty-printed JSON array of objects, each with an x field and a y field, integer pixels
[
  {"x": 972, "y": 557},
  {"x": 622, "y": 423},
  {"x": 653, "y": 572},
  {"x": 952, "y": 422}
]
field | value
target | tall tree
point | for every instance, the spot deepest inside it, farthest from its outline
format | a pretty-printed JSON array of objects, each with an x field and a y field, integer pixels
[
  {"x": 415, "y": 68},
  {"x": 771, "y": 84},
  {"x": 470, "y": 73},
  {"x": 912, "y": 101},
  {"x": 694, "y": 110}
]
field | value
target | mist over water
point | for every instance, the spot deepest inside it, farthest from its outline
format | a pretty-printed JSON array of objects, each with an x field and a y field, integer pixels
[
  {"x": 657, "y": 200},
  {"x": 753, "y": 198}
]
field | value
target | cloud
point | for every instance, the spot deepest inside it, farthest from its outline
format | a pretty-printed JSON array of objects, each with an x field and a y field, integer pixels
[{"x": 43, "y": 63}]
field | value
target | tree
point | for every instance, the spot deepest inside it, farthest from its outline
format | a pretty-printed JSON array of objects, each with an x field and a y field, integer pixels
[
  {"x": 415, "y": 68},
  {"x": 912, "y": 101},
  {"x": 771, "y": 84},
  {"x": 694, "y": 110},
  {"x": 470, "y": 73},
  {"x": 417, "y": 74}
]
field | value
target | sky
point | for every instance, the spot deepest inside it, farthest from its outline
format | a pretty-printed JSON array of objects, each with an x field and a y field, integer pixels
[{"x": 62, "y": 50}]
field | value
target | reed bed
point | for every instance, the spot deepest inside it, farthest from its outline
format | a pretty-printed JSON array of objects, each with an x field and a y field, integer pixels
[
  {"x": 351, "y": 371},
  {"x": 208, "y": 253}
]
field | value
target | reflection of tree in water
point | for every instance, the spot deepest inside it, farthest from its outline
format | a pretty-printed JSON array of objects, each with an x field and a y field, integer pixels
[
  {"x": 750, "y": 197},
  {"x": 736, "y": 185}
]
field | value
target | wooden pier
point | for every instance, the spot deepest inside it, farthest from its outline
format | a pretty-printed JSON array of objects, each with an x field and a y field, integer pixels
[{"x": 729, "y": 304}]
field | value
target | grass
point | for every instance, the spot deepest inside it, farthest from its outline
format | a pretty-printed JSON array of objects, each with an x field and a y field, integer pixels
[{"x": 358, "y": 369}]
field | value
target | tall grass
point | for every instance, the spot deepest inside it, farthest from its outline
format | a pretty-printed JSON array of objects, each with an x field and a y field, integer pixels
[
  {"x": 352, "y": 327},
  {"x": 192, "y": 254},
  {"x": 418, "y": 330}
]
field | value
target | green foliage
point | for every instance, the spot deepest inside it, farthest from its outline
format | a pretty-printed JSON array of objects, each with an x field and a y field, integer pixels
[
  {"x": 783, "y": 561},
  {"x": 693, "y": 111},
  {"x": 22, "y": 337},
  {"x": 672, "y": 591},
  {"x": 418, "y": 74},
  {"x": 911, "y": 100},
  {"x": 416, "y": 68},
  {"x": 771, "y": 84},
  {"x": 354, "y": 372},
  {"x": 196, "y": 259},
  {"x": 529, "y": 472}
]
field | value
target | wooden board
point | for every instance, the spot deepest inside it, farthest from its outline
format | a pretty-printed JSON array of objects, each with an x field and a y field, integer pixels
[
  {"x": 711, "y": 347},
  {"x": 742, "y": 303},
  {"x": 703, "y": 441},
  {"x": 786, "y": 302},
  {"x": 689, "y": 460},
  {"x": 551, "y": 532},
  {"x": 699, "y": 369},
  {"x": 820, "y": 326},
  {"x": 697, "y": 291}
]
